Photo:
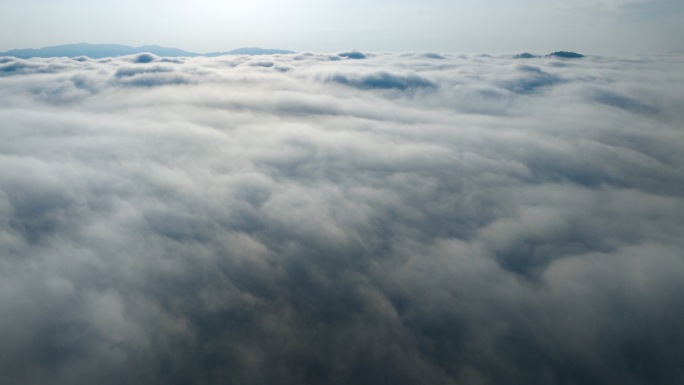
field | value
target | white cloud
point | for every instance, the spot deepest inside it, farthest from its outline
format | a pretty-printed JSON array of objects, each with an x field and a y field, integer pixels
[{"x": 319, "y": 219}]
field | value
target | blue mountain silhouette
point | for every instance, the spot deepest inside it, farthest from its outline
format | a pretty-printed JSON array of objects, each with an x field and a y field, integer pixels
[{"x": 97, "y": 51}]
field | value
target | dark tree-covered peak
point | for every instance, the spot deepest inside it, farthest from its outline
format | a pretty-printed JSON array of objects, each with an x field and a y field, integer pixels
[{"x": 567, "y": 54}]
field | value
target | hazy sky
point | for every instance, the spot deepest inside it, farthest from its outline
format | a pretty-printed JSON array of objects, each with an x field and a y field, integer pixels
[{"x": 590, "y": 26}]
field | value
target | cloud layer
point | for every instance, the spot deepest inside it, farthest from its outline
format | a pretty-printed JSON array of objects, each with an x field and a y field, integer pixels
[{"x": 353, "y": 218}]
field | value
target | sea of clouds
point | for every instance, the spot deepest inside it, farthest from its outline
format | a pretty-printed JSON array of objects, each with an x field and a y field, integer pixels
[{"x": 349, "y": 218}]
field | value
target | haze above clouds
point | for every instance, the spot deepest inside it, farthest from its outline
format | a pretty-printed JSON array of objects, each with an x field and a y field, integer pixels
[
  {"x": 606, "y": 27},
  {"x": 320, "y": 219}
]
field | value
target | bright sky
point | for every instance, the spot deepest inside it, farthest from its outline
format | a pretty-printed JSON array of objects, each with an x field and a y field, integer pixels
[{"x": 540, "y": 26}]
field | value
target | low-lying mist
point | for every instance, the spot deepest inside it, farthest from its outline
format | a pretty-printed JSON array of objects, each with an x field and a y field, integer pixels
[{"x": 360, "y": 218}]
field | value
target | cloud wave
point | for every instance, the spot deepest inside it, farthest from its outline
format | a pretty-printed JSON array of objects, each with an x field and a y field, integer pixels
[{"x": 305, "y": 220}]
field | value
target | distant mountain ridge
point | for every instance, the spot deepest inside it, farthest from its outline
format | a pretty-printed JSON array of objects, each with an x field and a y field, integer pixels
[
  {"x": 250, "y": 51},
  {"x": 98, "y": 51},
  {"x": 561, "y": 54},
  {"x": 567, "y": 54}
]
